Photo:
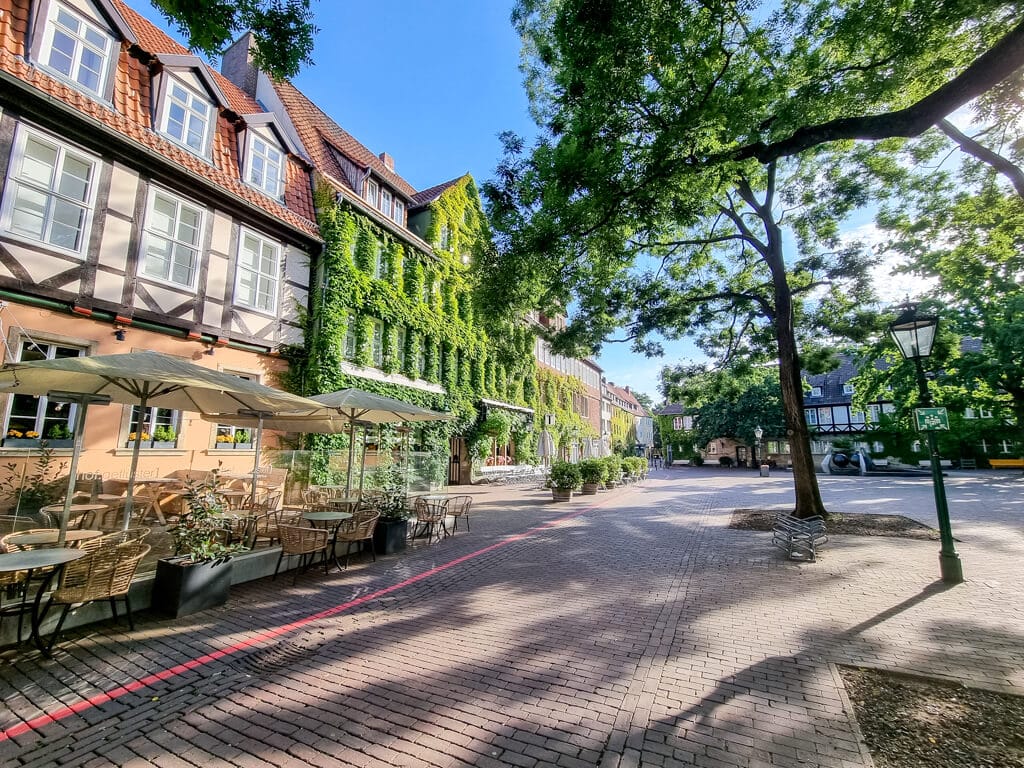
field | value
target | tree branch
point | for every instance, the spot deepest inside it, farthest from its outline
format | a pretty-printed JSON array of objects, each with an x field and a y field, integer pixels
[
  {"x": 989, "y": 69},
  {"x": 985, "y": 155}
]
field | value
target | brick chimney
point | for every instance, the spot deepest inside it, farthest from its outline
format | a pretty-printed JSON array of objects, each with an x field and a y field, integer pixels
[
  {"x": 237, "y": 64},
  {"x": 388, "y": 160}
]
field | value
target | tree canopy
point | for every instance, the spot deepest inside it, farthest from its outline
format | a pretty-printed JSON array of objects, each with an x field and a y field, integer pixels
[{"x": 283, "y": 29}]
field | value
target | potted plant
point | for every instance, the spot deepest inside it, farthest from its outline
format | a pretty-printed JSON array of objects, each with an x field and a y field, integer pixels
[
  {"x": 614, "y": 469},
  {"x": 34, "y": 487},
  {"x": 594, "y": 472},
  {"x": 565, "y": 478},
  {"x": 165, "y": 437},
  {"x": 225, "y": 441},
  {"x": 393, "y": 526},
  {"x": 59, "y": 436},
  {"x": 243, "y": 441},
  {"x": 132, "y": 436},
  {"x": 198, "y": 575}
]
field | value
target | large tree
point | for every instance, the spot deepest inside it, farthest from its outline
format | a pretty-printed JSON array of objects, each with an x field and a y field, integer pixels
[
  {"x": 664, "y": 117},
  {"x": 283, "y": 29}
]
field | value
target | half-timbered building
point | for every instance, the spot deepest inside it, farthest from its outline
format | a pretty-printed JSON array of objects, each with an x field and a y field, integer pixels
[{"x": 147, "y": 203}]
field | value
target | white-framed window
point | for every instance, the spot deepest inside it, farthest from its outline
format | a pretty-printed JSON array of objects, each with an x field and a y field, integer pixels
[
  {"x": 398, "y": 214},
  {"x": 378, "y": 269},
  {"x": 980, "y": 413},
  {"x": 400, "y": 349},
  {"x": 677, "y": 423},
  {"x": 811, "y": 416},
  {"x": 815, "y": 391},
  {"x": 874, "y": 412},
  {"x": 713, "y": 449},
  {"x": 265, "y": 165},
  {"x": 687, "y": 422},
  {"x": 421, "y": 360},
  {"x": 258, "y": 274},
  {"x": 377, "y": 343},
  {"x": 31, "y": 417},
  {"x": 171, "y": 239},
  {"x": 76, "y": 49},
  {"x": 824, "y": 416},
  {"x": 1005, "y": 446},
  {"x": 386, "y": 199},
  {"x": 848, "y": 389},
  {"x": 857, "y": 417},
  {"x": 50, "y": 192},
  {"x": 350, "y": 338},
  {"x": 186, "y": 117},
  {"x": 445, "y": 237},
  {"x": 159, "y": 425},
  {"x": 372, "y": 192}
]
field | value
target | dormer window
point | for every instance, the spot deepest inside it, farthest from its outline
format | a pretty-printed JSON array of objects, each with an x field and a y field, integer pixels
[
  {"x": 77, "y": 50},
  {"x": 186, "y": 118},
  {"x": 372, "y": 192},
  {"x": 386, "y": 199},
  {"x": 266, "y": 166},
  {"x": 399, "y": 213}
]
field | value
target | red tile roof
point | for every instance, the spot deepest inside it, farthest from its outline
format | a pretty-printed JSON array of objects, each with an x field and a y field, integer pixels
[
  {"x": 428, "y": 196},
  {"x": 319, "y": 134},
  {"x": 130, "y": 115}
]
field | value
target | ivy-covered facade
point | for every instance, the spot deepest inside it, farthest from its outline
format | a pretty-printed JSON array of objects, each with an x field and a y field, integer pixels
[{"x": 391, "y": 299}]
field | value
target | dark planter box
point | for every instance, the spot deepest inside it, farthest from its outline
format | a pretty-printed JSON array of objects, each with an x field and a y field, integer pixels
[
  {"x": 389, "y": 536},
  {"x": 21, "y": 442},
  {"x": 182, "y": 587}
]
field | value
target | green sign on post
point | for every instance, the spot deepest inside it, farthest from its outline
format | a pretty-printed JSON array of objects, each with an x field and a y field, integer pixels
[{"x": 929, "y": 419}]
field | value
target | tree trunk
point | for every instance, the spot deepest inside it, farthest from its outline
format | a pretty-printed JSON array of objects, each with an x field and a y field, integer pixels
[{"x": 805, "y": 480}]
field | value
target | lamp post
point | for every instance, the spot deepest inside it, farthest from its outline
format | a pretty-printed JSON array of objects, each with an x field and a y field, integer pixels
[
  {"x": 914, "y": 336},
  {"x": 758, "y": 434}
]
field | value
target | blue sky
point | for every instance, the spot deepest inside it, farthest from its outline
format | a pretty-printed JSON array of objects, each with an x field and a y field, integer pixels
[{"x": 432, "y": 84}]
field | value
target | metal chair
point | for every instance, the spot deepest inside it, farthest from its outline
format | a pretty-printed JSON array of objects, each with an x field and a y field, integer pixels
[
  {"x": 304, "y": 542},
  {"x": 104, "y": 574},
  {"x": 430, "y": 514}
]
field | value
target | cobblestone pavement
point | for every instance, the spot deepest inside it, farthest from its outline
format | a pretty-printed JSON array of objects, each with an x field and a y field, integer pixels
[{"x": 628, "y": 629}]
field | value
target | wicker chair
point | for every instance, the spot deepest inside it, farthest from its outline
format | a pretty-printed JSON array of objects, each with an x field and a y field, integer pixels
[
  {"x": 304, "y": 542},
  {"x": 430, "y": 515},
  {"x": 104, "y": 574},
  {"x": 458, "y": 508},
  {"x": 357, "y": 530},
  {"x": 15, "y": 586},
  {"x": 127, "y": 536}
]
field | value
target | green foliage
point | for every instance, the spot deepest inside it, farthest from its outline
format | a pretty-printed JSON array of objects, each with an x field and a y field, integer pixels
[
  {"x": 200, "y": 534},
  {"x": 613, "y": 467},
  {"x": 59, "y": 432},
  {"x": 242, "y": 436},
  {"x": 283, "y": 29},
  {"x": 634, "y": 466},
  {"x": 593, "y": 470},
  {"x": 566, "y": 476},
  {"x": 165, "y": 434}
]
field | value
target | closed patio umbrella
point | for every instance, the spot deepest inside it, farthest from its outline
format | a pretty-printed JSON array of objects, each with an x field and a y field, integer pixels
[{"x": 146, "y": 379}]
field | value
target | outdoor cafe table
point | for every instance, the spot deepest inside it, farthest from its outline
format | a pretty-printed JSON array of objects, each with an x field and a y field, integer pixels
[
  {"x": 31, "y": 560},
  {"x": 49, "y": 537},
  {"x": 75, "y": 509},
  {"x": 148, "y": 490},
  {"x": 327, "y": 518}
]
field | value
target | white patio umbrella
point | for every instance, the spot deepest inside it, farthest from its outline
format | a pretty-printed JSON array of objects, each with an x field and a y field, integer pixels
[
  {"x": 545, "y": 445},
  {"x": 146, "y": 379},
  {"x": 335, "y": 412}
]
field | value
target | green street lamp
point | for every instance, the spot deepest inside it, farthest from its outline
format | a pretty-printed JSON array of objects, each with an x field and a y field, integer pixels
[
  {"x": 914, "y": 334},
  {"x": 758, "y": 453}
]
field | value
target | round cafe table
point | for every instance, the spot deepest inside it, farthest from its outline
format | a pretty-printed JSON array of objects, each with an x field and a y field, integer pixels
[
  {"x": 31, "y": 560},
  {"x": 49, "y": 537},
  {"x": 76, "y": 509},
  {"x": 329, "y": 518}
]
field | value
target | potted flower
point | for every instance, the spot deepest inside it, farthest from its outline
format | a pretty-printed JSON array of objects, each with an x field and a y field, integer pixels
[
  {"x": 165, "y": 437},
  {"x": 594, "y": 472},
  {"x": 132, "y": 436},
  {"x": 225, "y": 441},
  {"x": 565, "y": 478},
  {"x": 390, "y": 500},
  {"x": 18, "y": 438},
  {"x": 242, "y": 440},
  {"x": 198, "y": 575}
]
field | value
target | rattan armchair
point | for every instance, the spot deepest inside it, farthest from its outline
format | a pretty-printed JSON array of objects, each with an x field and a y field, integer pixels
[
  {"x": 357, "y": 530},
  {"x": 458, "y": 508},
  {"x": 304, "y": 542},
  {"x": 104, "y": 574},
  {"x": 14, "y": 587},
  {"x": 430, "y": 515}
]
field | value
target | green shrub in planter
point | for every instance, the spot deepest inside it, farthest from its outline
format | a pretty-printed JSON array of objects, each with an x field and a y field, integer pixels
[
  {"x": 632, "y": 466},
  {"x": 566, "y": 476},
  {"x": 697, "y": 460},
  {"x": 593, "y": 471},
  {"x": 613, "y": 466}
]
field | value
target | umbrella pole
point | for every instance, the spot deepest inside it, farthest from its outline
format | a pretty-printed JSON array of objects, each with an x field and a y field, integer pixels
[
  {"x": 256, "y": 461},
  {"x": 362, "y": 464},
  {"x": 134, "y": 468},
  {"x": 351, "y": 455},
  {"x": 82, "y": 404}
]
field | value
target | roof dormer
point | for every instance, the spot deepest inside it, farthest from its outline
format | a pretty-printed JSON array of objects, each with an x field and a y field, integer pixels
[
  {"x": 186, "y": 103},
  {"x": 78, "y": 41},
  {"x": 263, "y": 147}
]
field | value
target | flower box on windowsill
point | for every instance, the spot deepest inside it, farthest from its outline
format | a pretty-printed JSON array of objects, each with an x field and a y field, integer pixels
[
  {"x": 22, "y": 442},
  {"x": 164, "y": 444},
  {"x": 243, "y": 446}
]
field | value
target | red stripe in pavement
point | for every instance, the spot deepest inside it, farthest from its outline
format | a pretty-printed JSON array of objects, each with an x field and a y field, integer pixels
[{"x": 99, "y": 699}]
